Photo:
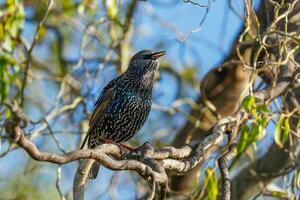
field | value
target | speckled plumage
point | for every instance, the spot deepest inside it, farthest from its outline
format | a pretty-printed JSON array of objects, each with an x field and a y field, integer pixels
[
  {"x": 123, "y": 117},
  {"x": 124, "y": 104}
]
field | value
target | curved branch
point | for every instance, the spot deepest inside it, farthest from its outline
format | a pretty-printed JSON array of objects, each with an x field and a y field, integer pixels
[{"x": 148, "y": 162}]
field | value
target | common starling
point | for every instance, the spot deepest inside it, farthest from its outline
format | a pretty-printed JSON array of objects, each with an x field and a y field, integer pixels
[{"x": 124, "y": 104}]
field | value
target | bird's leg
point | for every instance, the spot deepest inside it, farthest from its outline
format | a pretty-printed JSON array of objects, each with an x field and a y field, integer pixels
[
  {"x": 124, "y": 149},
  {"x": 124, "y": 146},
  {"x": 144, "y": 149},
  {"x": 145, "y": 145}
]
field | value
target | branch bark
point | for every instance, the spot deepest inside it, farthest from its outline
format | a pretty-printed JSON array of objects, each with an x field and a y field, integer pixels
[{"x": 148, "y": 162}]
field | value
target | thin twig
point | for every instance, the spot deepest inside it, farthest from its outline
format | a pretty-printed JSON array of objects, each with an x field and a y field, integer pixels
[
  {"x": 58, "y": 177},
  {"x": 29, "y": 50}
]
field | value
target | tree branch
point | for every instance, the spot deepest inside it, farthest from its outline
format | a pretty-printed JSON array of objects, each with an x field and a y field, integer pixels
[
  {"x": 30, "y": 48},
  {"x": 148, "y": 162}
]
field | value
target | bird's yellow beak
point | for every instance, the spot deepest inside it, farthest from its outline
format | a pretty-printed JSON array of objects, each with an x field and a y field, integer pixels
[{"x": 156, "y": 55}]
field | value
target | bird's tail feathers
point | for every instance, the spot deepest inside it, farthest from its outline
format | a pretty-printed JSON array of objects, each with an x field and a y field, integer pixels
[
  {"x": 94, "y": 170},
  {"x": 85, "y": 139}
]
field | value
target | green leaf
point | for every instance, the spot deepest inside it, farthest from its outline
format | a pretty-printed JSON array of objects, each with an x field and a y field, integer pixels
[
  {"x": 41, "y": 34},
  {"x": 6, "y": 77},
  {"x": 264, "y": 121},
  {"x": 7, "y": 43},
  {"x": 287, "y": 130},
  {"x": 12, "y": 18},
  {"x": 279, "y": 194},
  {"x": 248, "y": 102},
  {"x": 262, "y": 124},
  {"x": 249, "y": 105},
  {"x": 281, "y": 137},
  {"x": 254, "y": 132},
  {"x": 298, "y": 127},
  {"x": 211, "y": 184},
  {"x": 3, "y": 84},
  {"x": 263, "y": 109},
  {"x": 243, "y": 141},
  {"x": 8, "y": 113},
  {"x": 261, "y": 132}
]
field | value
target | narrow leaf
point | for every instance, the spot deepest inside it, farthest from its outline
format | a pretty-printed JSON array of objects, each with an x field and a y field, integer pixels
[
  {"x": 278, "y": 132},
  {"x": 211, "y": 185}
]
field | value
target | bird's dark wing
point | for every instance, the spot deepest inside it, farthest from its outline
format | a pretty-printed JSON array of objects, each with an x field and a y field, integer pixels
[
  {"x": 102, "y": 102},
  {"x": 105, "y": 97}
]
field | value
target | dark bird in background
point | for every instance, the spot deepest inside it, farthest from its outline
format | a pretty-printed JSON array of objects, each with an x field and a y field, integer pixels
[{"x": 124, "y": 104}]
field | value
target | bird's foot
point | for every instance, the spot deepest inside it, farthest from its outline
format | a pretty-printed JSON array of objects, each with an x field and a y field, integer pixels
[
  {"x": 124, "y": 149},
  {"x": 142, "y": 150},
  {"x": 131, "y": 150}
]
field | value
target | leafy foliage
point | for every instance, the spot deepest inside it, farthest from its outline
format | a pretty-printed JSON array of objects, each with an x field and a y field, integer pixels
[
  {"x": 255, "y": 131},
  {"x": 211, "y": 184},
  {"x": 12, "y": 18},
  {"x": 282, "y": 131}
]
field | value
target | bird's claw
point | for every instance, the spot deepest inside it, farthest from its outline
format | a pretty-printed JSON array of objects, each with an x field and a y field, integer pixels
[
  {"x": 141, "y": 150},
  {"x": 144, "y": 147},
  {"x": 124, "y": 150}
]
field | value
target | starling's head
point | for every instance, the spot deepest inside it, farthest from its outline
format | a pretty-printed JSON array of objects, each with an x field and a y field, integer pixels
[
  {"x": 142, "y": 68},
  {"x": 145, "y": 60}
]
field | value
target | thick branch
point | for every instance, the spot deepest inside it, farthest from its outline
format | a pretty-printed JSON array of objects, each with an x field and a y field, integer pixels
[{"x": 148, "y": 162}]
